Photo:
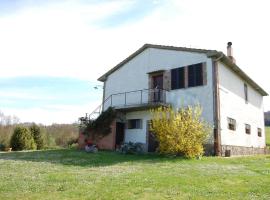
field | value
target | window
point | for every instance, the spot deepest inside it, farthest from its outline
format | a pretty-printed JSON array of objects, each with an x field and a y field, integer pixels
[
  {"x": 231, "y": 124},
  {"x": 190, "y": 76},
  {"x": 259, "y": 132},
  {"x": 178, "y": 78},
  {"x": 134, "y": 124},
  {"x": 246, "y": 92},
  {"x": 248, "y": 128},
  {"x": 195, "y": 75}
]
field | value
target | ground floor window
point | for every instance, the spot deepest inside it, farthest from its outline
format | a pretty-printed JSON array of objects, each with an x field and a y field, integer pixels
[
  {"x": 231, "y": 124},
  {"x": 248, "y": 128},
  {"x": 259, "y": 132},
  {"x": 134, "y": 123}
]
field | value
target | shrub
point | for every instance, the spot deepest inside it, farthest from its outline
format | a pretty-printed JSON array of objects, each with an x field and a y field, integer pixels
[
  {"x": 131, "y": 148},
  {"x": 100, "y": 127},
  {"x": 181, "y": 132},
  {"x": 2, "y": 147},
  {"x": 38, "y": 136},
  {"x": 22, "y": 139}
]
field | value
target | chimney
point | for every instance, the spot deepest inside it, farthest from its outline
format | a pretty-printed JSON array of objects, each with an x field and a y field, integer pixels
[{"x": 230, "y": 52}]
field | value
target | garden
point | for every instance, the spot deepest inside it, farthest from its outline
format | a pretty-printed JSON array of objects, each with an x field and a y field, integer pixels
[{"x": 74, "y": 174}]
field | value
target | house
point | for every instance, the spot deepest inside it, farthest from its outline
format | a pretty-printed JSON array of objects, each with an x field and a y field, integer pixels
[{"x": 157, "y": 75}]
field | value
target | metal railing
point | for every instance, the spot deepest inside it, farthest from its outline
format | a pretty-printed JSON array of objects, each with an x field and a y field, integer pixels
[{"x": 134, "y": 98}]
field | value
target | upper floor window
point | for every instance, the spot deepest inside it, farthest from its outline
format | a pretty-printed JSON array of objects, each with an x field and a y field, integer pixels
[
  {"x": 231, "y": 124},
  {"x": 246, "y": 92},
  {"x": 189, "y": 76},
  {"x": 178, "y": 78},
  {"x": 195, "y": 75},
  {"x": 247, "y": 128},
  {"x": 134, "y": 124},
  {"x": 259, "y": 132}
]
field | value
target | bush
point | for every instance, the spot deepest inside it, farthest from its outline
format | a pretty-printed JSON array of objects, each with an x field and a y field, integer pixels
[
  {"x": 2, "y": 147},
  {"x": 37, "y": 136},
  {"x": 180, "y": 132},
  {"x": 22, "y": 139},
  {"x": 131, "y": 148},
  {"x": 100, "y": 127}
]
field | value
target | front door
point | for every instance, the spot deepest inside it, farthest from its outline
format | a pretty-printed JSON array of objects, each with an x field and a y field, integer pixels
[
  {"x": 152, "y": 141},
  {"x": 120, "y": 131},
  {"x": 157, "y": 87}
]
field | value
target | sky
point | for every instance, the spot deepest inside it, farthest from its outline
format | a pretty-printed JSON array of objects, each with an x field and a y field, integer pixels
[{"x": 52, "y": 52}]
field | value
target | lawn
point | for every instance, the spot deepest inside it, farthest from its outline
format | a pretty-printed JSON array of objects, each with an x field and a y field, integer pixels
[{"x": 73, "y": 174}]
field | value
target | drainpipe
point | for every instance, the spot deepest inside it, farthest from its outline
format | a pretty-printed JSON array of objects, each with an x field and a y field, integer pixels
[{"x": 217, "y": 136}]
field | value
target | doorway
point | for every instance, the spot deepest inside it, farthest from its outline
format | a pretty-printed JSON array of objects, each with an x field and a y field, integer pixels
[
  {"x": 157, "y": 87},
  {"x": 152, "y": 141},
  {"x": 120, "y": 133}
]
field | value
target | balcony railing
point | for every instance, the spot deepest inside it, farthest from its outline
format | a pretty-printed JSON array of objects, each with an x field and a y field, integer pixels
[{"x": 136, "y": 99}]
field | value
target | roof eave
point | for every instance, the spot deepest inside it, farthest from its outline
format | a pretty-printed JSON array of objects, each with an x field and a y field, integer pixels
[{"x": 226, "y": 60}]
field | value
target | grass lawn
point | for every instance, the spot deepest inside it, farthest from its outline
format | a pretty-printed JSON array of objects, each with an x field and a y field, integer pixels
[
  {"x": 73, "y": 174},
  {"x": 267, "y": 132}
]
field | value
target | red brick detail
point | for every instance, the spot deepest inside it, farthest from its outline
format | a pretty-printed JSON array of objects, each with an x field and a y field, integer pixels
[
  {"x": 106, "y": 143},
  {"x": 81, "y": 141}
]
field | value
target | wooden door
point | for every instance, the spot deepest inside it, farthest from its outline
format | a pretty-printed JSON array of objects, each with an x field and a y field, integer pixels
[
  {"x": 157, "y": 87},
  {"x": 152, "y": 141},
  {"x": 120, "y": 132}
]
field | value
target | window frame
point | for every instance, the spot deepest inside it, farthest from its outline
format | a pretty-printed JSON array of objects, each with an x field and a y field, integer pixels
[
  {"x": 137, "y": 122},
  {"x": 259, "y": 132},
  {"x": 196, "y": 72},
  {"x": 178, "y": 82},
  {"x": 231, "y": 124},
  {"x": 248, "y": 130}
]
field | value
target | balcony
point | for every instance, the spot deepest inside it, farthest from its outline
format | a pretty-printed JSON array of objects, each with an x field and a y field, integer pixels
[{"x": 133, "y": 101}]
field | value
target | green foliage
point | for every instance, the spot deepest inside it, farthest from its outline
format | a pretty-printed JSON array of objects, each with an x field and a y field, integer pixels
[
  {"x": 38, "y": 136},
  {"x": 99, "y": 127},
  {"x": 2, "y": 147},
  {"x": 132, "y": 148},
  {"x": 179, "y": 132},
  {"x": 22, "y": 139},
  {"x": 60, "y": 134},
  {"x": 267, "y": 135}
]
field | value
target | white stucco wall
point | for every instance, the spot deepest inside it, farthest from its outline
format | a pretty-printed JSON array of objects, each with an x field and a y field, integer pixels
[
  {"x": 137, "y": 135},
  {"x": 233, "y": 105},
  {"x": 133, "y": 76}
]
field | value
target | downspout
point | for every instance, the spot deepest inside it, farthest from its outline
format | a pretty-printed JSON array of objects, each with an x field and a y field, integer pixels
[{"x": 217, "y": 135}]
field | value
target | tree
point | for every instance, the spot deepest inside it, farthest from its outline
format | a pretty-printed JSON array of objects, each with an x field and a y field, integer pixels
[
  {"x": 181, "y": 132},
  {"x": 22, "y": 139},
  {"x": 37, "y": 136}
]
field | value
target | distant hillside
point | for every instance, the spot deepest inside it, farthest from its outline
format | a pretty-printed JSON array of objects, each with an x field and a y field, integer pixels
[{"x": 267, "y": 118}]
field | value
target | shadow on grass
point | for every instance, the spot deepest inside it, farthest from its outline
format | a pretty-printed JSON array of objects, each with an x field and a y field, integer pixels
[{"x": 81, "y": 158}]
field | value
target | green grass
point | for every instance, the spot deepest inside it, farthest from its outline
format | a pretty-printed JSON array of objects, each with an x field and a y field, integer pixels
[
  {"x": 73, "y": 174},
  {"x": 267, "y": 132}
]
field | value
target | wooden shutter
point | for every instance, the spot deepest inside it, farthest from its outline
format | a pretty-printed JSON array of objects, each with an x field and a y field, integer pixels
[
  {"x": 186, "y": 77},
  {"x": 174, "y": 79},
  {"x": 167, "y": 80}
]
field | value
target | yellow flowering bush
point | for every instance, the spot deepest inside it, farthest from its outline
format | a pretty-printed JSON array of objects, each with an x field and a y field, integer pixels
[{"x": 181, "y": 132}]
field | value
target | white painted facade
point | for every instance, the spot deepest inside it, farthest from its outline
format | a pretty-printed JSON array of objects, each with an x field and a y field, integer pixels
[
  {"x": 133, "y": 76},
  {"x": 233, "y": 105}
]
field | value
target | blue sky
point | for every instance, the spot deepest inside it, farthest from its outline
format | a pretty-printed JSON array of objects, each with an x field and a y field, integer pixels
[{"x": 52, "y": 52}]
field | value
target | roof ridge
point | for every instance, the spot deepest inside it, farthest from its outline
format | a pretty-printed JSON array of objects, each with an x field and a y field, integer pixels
[{"x": 177, "y": 47}]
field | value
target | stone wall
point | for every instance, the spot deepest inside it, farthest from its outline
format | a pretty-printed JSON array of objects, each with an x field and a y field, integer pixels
[{"x": 228, "y": 150}]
